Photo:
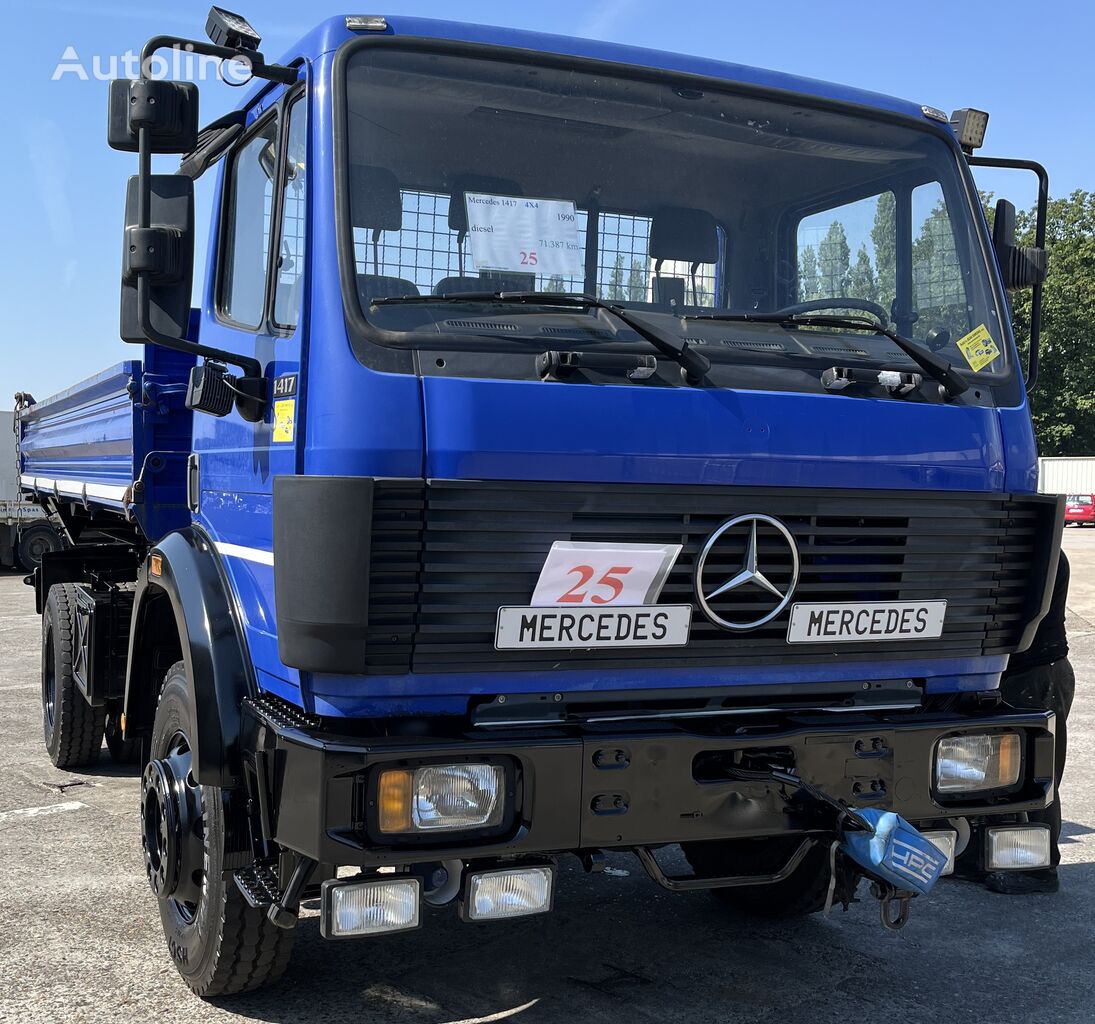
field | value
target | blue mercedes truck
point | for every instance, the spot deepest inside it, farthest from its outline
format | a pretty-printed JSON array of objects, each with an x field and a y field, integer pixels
[{"x": 577, "y": 449}]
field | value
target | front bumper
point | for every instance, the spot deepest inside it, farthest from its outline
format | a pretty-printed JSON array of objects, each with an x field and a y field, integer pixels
[{"x": 576, "y": 788}]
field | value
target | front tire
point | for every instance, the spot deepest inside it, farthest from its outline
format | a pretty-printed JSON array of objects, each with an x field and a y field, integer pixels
[
  {"x": 219, "y": 943},
  {"x": 72, "y": 728},
  {"x": 802, "y": 894}
]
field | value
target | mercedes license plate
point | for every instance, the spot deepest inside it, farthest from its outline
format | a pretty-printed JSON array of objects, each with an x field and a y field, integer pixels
[
  {"x": 872, "y": 620},
  {"x": 661, "y": 625}
]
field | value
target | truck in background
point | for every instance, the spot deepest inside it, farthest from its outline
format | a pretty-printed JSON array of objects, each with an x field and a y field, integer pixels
[
  {"x": 536, "y": 480},
  {"x": 26, "y": 533}
]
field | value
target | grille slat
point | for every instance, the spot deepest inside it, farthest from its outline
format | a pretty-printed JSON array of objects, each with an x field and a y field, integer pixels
[{"x": 448, "y": 554}]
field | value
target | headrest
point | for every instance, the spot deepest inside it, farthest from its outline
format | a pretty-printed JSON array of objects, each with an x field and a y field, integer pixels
[
  {"x": 679, "y": 233},
  {"x": 375, "y": 201},
  {"x": 462, "y": 183},
  {"x": 380, "y": 286},
  {"x": 490, "y": 282}
]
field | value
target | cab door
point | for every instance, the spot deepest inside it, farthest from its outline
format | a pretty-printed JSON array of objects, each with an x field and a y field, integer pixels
[{"x": 255, "y": 305}]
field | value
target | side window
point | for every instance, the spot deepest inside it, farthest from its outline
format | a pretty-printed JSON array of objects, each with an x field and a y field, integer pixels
[
  {"x": 289, "y": 280},
  {"x": 939, "y": 289},
  {"x": 246, "y": 229},
  {"x": 850, "y": 251}
]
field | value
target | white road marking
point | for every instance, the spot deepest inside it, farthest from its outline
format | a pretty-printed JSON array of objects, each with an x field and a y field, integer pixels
[
  {"x": 39, "y": 812},
  {"x": 501, "y": 1015}
]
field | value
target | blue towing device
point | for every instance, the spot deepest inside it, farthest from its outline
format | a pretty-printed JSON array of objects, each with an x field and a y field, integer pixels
[{"x": 577, "y": 448}]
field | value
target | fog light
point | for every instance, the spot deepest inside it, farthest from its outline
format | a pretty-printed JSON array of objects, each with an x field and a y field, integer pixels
[
  {"x": 978, "y": 762},
  {"x": 352, "y": 908},
  {"x": 1025, "y": 846},
  {"x": 513, "y": 892},
  {"x": 944, "y": 841},
  {"x": 440, "y": 797}
]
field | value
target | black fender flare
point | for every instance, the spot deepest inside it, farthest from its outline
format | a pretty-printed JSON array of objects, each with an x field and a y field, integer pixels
[{"x": 184, "y": 570}]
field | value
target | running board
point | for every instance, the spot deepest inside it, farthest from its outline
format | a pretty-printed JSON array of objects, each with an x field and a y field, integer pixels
[{"x": 258, "y": 884}]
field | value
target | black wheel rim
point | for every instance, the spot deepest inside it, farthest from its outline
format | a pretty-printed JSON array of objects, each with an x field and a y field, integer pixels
[
  {"x": 49, "y": 682},
  {"x": 37, "y": 547},
  {"x": 173, "y": 832}
]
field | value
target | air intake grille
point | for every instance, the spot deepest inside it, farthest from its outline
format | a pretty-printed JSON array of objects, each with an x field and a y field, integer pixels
[
  {"x": 481, "y": 325},
  {"x": 447, "y": 555}
]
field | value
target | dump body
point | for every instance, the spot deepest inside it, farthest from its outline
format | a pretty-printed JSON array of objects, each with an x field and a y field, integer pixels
[{"x": 116, "y": 443}]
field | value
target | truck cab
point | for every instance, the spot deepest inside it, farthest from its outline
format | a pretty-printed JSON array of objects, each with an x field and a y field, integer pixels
[{"x": 576, "y": 449}]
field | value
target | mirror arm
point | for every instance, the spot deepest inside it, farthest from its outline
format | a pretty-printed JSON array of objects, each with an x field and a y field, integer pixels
[
  {"x": 1041, "y": 215},
  {"x": 251, "y": 367},
  {"x": 259, "y": 67}
]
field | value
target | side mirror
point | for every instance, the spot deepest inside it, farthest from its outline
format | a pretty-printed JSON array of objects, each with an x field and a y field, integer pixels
[
  {"x": 163, "y": 254},
  {"x": 169, "y": 110},
  {"x": 1022, "y": 266}
]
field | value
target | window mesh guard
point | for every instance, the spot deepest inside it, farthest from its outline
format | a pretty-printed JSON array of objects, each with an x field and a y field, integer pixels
[{"x": 425, "y": 251}]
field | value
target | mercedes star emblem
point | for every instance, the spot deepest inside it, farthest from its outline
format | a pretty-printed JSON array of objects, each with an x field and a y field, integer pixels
[{"x": 751, "y": 573}]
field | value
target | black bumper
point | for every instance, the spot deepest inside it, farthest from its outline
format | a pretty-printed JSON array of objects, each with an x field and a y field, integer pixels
[{"x": 582, "y": 788}]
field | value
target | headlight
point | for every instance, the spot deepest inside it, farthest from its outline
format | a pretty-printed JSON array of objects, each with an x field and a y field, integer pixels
[
  {"x": 351, "y": 907},
  {"x": 508, "y": 892},
  {"x": 441, "y": 797},
  {"x": 975, "y": 763},
  {"x": 1017, "y": 847}
]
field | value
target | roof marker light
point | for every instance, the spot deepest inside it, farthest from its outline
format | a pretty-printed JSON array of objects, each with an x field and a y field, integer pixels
[
  {"x": 367, "y": 23},
  {"x": 935, "y": 114}
]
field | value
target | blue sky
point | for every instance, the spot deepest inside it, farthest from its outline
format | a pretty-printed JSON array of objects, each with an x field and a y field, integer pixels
[{"x": 1030, "y": 67}]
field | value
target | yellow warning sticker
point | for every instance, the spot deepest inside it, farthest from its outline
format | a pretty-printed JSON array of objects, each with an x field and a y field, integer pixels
[
  {"x": 284, "y": 411},
  {"x": 978, "y": 347}
]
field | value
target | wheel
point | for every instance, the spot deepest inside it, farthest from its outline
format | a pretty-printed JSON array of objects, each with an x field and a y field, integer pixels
[
  {"x": 802, "y": 894},
  {"x": 817, "y": 305},
  {"x": 35, "y": 542},
  {"x": 122, "y": 751},
  {"x": 72, "y": 728},
  {"x": 220, "y": 944}
]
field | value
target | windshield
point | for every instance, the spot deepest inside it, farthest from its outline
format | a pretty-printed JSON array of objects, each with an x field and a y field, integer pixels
[
  {"x": 1079, "y": 499},
  {"x": 478, "y": 174}
]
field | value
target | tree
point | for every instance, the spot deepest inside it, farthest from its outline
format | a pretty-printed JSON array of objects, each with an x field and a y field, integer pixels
[
  {"x": 1063, "y": 403},
  {"x": 939, "y": 295},
  {"x": 884, "y": 240},
  {"x": 555, "y": 284},
  {"x": 808, "y": 287},
  {"x": 833, "y": 259},
  {"x": 636, "y": 282},
  {"x": 615, "y": 289},
  {"x": 861, "y": 278}
]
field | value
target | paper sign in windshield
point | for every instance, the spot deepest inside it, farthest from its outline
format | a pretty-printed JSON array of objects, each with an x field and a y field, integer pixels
[
  {"x": 978, "y": 347},
  {"x": 528, "y": 236}
]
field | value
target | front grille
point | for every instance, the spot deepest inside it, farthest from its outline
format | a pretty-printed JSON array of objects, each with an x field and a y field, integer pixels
[{"x": 448, "y": 554}]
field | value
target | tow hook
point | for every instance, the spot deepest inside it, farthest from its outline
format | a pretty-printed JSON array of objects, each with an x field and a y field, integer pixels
[{"x": 893, "y": 906}]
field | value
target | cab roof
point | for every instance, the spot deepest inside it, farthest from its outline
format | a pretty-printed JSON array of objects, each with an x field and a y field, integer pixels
[{"x": 332, "y": 33}]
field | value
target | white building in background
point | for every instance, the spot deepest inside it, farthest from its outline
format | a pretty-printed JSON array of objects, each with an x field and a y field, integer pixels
[{"x": 1067, "y": 475}]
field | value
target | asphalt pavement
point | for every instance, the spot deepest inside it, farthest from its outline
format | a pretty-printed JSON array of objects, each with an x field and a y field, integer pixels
[{"x": 80, "y": 936}]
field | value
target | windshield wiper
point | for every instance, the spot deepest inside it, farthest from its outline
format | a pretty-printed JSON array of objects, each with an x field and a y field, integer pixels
[
  {"x": 933, "y": 365},
  {"x": 694, "y": 365}
]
